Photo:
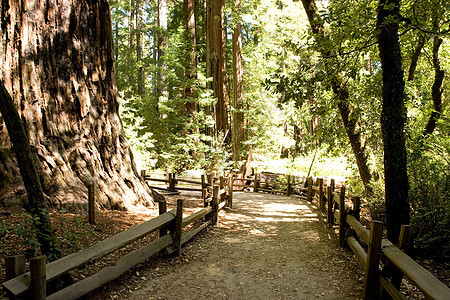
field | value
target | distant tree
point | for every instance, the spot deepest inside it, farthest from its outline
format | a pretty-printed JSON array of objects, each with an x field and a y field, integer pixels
[
  {"x": 238, "y": 86},
  {"x": 335, "y": 79},
  {"x": 191, "y": 43},
  {"x": 162, "y": 89},
  {"x": 216, "y": 39}
]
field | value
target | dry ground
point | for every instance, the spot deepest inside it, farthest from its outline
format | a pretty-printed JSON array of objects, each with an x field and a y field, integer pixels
[{"x": 266, "y": 247}]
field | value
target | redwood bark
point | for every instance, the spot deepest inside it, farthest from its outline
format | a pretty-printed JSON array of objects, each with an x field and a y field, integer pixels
[
  {"x": 141, "y": 70},
  {"x": 393, "y": 117},
  {"x": 56, "y": 59},
  {"x": 191, "y": 41},
  {"x": 216, "y": 39},
  {"x": 238, "y": 85},
  {"x": 349, "y": 120},
  {"x": 162, "y": 49}
]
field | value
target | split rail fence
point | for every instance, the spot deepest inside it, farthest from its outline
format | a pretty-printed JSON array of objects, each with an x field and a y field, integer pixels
[
  {"x": 371, "y": 250},
  {"x": 33, "y": 284},
  {"x": 384, "y": 263}
]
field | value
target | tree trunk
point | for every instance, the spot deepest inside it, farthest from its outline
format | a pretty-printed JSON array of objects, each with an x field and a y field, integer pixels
[
  {"x": 393, "y": 116},
  {"x": 238, "y": 85},
  {"x": 217, "y": 38},
  {"x": 191, "y": 41},
  {"x": 162, "y": 49},
  {"x": 436, "y": 89},
  {"x": 349, "y": 120},
  {"x": 141, "y": 75},
  {"x": 26, "y": 160},
  {"x": 57, "y": 61},
  {"x": 415, "y": 56}
]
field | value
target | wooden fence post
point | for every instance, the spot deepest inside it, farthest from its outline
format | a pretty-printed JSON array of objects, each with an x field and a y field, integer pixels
[
  {"x": 178, "y": 226},
  {"x": 356, "y": 207},
  {"x": 403, "y": 243},
  {"x": 210, "y": 178},
  {"x": 321, "y": 204},
  {"x": 143, "y": 172},
  {"x": 288, "y": 191},
  {"x": 332, "y": 184},
  {"x": 330, "y": 215},
  {"x": 162, "y": 205},
  {"x": 171, "y": 182},
  {"x": 203, "y": 181},
  {"x": 230, "y": 191},
  {"x": 309, "y": 195},
  {"x": 256, "y": 182},
  {"x": 342, "y": 217},
  {"x": 215, "y": 205},
  {"x": 15, "y": 266},
  {"x": 373, "y": 260},
  {"x": 221, "y": 182},
  {"x": 91, "y": 204},
  {"x": 38, "y": 278}
]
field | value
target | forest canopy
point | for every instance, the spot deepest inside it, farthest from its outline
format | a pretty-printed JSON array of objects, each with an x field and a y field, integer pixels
[{"x": 311, "y": 86}]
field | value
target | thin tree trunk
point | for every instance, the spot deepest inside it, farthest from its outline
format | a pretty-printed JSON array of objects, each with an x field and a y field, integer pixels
[
  {"x": 162, "y": 49},
  {"x": 436, "y": 89},
  {"x": 27, "y": 165},
  {"x": 191, "y": 41},
  {"x": 349, "y": 120},
  {"x": 238, "y": 84},
  {"x": 393, "y": 116},
  {"x": 141, "y": 75},
  {"x": 415, "y": 56}
]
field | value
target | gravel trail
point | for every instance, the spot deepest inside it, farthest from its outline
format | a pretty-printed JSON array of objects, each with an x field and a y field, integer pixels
[{"x": 266, "y": 247}]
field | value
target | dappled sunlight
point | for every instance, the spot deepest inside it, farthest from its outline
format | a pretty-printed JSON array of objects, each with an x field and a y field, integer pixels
[{"x": 263, "y": 215}]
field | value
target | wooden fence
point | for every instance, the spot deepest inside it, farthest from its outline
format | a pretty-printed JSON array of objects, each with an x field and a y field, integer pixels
[
  {"x": 370, "y": 248},
  {"x": 32, "y": 285},
  {"x": 217, "y": 191}
]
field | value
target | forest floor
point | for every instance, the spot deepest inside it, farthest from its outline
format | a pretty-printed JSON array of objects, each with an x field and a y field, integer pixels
[{"x": 266, "y": 247}]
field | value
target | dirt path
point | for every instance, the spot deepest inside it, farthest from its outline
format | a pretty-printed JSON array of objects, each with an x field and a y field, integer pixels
[{"x": 266, "y": 247}]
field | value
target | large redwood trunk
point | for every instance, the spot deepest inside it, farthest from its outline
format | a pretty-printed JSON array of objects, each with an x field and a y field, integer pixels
[
  {"x": 238, "y": 87},
  {"x": 56, "y": 59},
  {"x": 216, "y": 41}
]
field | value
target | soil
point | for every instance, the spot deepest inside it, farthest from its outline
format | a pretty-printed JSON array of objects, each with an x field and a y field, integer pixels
[{"x": 266, "y": 247}]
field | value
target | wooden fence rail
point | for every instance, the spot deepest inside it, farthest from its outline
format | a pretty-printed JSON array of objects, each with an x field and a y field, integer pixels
[
  {"x": 32, "y": 285},
  {"x": 346, "y": 212}
]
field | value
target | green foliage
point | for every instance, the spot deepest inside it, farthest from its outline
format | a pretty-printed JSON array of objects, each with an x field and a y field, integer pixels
[
  {"x": 429, "y": 173},
  {"x": 289, "y": 106},
  {"x": 27, "y": 232}
]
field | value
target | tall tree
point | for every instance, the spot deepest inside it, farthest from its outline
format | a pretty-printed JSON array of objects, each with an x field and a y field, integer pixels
[
  {"x": 162, "y": 49},
  {"x": 238, "y": 85},
  {"x": 139, "y": 54},
  {"x": 191, "y": 41},
  {"x": 57, "y": 62},
  {"x": 436, "y": 89},
  {"x": 348, "y": 116},
  {"x": 216, "y": 41},
  {"x": 393, "y": 116}
]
